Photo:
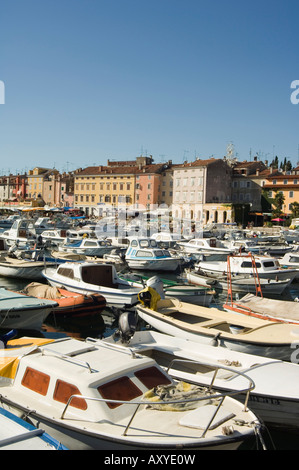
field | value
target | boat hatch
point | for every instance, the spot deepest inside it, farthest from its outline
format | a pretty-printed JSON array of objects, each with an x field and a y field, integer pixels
[{"x": 124, "y": 389}]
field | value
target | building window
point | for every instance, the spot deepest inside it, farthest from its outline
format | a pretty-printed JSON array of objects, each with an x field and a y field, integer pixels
[{"x": 291, "y": 193}]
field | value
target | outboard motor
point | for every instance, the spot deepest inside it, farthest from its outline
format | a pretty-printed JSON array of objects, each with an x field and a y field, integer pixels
[
  {"x": 127, "y": 326},
  {"x": 156, "y": 284}
]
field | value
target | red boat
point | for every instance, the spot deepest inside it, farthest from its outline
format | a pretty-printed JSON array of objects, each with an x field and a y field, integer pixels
[{"x": 69, "y": 303}]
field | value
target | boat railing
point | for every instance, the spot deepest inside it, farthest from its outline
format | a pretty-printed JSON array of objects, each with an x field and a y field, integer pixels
[
  {"x": 246, "y": 390},
  {"x": 69, "y": 358},
  {"x": 119, "y": 347},
  {"x": 208, "y": 397},
  {"x": 233, "y": 372}
]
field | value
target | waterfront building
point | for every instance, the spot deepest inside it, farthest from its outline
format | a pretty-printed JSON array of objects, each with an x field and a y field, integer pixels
[{"x": 202, "y": 192}]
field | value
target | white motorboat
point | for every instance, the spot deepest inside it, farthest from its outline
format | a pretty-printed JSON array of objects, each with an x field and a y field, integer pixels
[
  {"x": 274, "y": 398},
  {"x": 6, "y": 222},
  {"x": 167, "y": 239},
  {"x": 17, "y": 434},
  {"x": 246, "y": 264},
  {"x": 145, "y": 254},
  {"x": 17, "y": 265},
  {"x": 89, "y": 277},
  {"x": 22, "y": 311},
  {"x": 87, "y": 246},
  {"x": 248, "y": 245},
  {"x": 93, "y": 395},
  {"x": 204, "y": 245},
  {"x": 290, "y": 260},
  {"x": 239, "y": 283},
  {"x": 214, "y": 326},
  {"x": 22, "y": 231}
]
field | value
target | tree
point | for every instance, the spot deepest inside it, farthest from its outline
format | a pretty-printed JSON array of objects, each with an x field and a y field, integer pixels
[
  {"x": 274, "y": 163},
  {"x": 294, "y": 210},
  {"x": 286, "y": 165},
  {"x": 278, "y": 202}
]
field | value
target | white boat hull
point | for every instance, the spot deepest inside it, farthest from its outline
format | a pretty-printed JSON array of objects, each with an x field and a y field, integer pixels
[
  {"x": 258, "y": 349},
  {"x": 25, "y": 272},
  {"x": 154, "y": 265},
  {"x": 273, "y": 398},
  {"x": 114, "y": 296},
  {"x": 246, "y": 285},
  {"x": 24, "y": 319},
  {"x": 79, "y": 439}
]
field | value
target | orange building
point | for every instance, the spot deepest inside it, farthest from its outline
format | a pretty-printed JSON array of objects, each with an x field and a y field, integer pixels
[{"x": 285, "y": 182}]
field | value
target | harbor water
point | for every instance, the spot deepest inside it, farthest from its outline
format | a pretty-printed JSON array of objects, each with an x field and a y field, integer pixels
[{"x": 105, "y": 323}]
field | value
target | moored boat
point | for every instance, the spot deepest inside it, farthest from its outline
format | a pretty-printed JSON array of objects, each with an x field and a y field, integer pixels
[
  {"x": 17, "y": 434},
  {"x": 194, "y": 295},
  {"x": 274, "y": 398},
  {"x": 245, "y": 264},
  {"x": 286, "y": 311},
  {"x": 214, "y": 326},
  {"x": 68, "y": 303},
  {"x": 92, "y": 395},
  {"x": 90, "y": 278},
  {"x": 21, "y": 311},
  {"x": 239, "y": 283},
  {"x": 146, "y": 255}
]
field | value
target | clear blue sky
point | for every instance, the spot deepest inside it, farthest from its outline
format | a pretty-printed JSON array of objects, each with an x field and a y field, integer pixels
[{"x": 88, "y": 80}]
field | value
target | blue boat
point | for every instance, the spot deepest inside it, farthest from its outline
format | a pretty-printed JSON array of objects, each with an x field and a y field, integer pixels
[{"x": 17, "y": 434}]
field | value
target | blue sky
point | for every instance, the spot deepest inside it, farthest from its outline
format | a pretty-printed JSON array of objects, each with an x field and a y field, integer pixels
[{"x": 88, "y": 80}]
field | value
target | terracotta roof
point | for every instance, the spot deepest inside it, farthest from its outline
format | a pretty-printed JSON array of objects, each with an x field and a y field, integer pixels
[{"x": 118, "y": 170}]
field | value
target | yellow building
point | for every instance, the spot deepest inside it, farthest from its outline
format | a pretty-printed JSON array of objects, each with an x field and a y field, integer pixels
[
  {"x": 95, "y": 187},
  {"x": 36, "y": 178}
]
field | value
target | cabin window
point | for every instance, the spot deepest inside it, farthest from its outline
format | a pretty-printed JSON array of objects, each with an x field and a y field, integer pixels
[
  {"x": 66, "y": 272},
  {"x": 36, "y": 381},
  {"x": 248, "y": 264},
  {"x": 64, "y": 390},
  {"x": 120, "y": 389},
  {"x": 143, "y": 253},
  {"x": 269, "y": 264},
  {"x": 159, "y": 253},
  {"x": 152, "y": 377}
]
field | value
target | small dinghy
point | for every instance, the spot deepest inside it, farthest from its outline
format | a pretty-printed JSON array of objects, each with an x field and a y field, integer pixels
[{"x": 68, "y": 303}]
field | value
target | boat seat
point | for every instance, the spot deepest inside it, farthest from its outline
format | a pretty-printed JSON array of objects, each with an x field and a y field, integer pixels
[
  {"x": 168, "y": 310},
  {"x": 201, "y": 417},
  {"x": 211, "y": 323}
]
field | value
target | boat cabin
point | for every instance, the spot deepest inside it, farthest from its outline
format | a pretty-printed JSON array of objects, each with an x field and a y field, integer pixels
[
  {"x": 56, "y": 371},
  {"x": 90, "y": 273},
  {"x": 145, "y": 248}
]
